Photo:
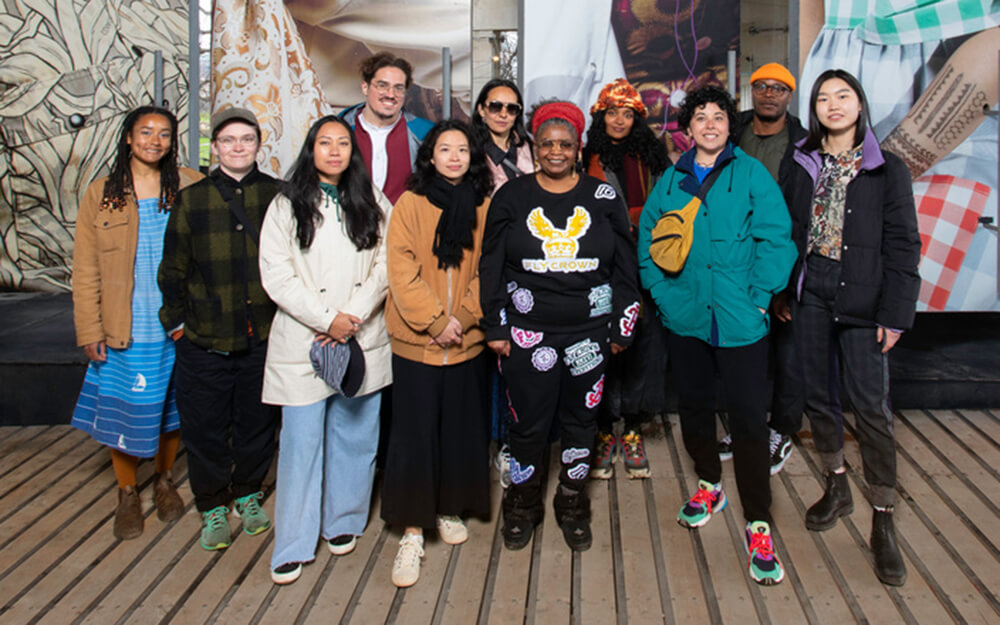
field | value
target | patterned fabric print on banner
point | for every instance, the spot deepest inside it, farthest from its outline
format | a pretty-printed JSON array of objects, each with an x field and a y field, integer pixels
[
  {"x": 627, "y": 323},
  {"x": 574, "y": 453},
  {"x": 948, "y": 211},
  {"x": 593, "y": 399},
  {"x": 519, "y": 474},
  {"x": 544, "y": 358},
  {"x": 523, "y": 301},
  {"x": 583, "y": 356},
  {"x": 600, "y": 300},
  {"x": 560, "y": 246},
  {"x": 526, "y": 339}
]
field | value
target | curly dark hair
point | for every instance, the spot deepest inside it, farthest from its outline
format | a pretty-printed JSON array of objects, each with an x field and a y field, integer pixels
[
  {"x": 376, "y": 62},
  {"x": 424, "y": 171},
  {"x": 706, "y": 95},
  {"x": 119, "y": 184},
  {"x": 362, "y": 214},
  {"x": 479, "y": 126},
  {"x": 640, "y": 143},
  {"x": 817, "y": 132}
]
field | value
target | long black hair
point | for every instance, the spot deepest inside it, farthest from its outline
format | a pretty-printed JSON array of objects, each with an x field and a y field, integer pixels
[
  {"x": 640, "y": 143},
  {"x": 479, "y": 127},
  {"x": 119, "y": 184},
  {"x": 424, "y": 171},
  {"x": 362, "y": 214},
  {"x": 817, "y": 131}
]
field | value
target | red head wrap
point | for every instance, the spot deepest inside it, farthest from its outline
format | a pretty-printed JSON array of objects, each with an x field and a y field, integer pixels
[{"x": 566, "y": 111}]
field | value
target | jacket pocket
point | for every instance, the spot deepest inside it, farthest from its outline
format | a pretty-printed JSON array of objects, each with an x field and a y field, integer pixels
[{"x": 112, "y": 231}]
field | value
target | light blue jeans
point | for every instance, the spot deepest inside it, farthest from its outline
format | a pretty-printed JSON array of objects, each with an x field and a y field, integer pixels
[{"x": 326, "y": 465}]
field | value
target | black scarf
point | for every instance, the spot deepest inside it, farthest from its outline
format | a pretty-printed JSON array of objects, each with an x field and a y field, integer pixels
[{"x": 457, "y": 221}]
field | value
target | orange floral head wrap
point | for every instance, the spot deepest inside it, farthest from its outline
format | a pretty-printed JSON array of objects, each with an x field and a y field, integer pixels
[{"x": 619, "y": 93}]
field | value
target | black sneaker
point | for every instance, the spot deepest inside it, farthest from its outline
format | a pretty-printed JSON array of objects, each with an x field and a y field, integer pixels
[
  {"x": 781, "y": 450},
  {"x": 517, "y": 531},
  {"x": 726, "y": 447},
  {"x": 573, "y": 515}
]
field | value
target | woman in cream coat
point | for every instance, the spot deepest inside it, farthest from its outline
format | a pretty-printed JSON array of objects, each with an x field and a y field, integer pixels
[{"x": 322, "y": 261}]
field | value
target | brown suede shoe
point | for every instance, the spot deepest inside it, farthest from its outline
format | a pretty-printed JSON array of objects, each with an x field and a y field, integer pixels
[
  {"x": 169, "y": 506},
  {"x": 128, "y": 516}
]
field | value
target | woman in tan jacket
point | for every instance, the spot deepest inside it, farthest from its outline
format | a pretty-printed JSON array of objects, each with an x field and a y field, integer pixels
[
  {"x": 437, "y": 462},
  {"x": 127, "y": 400}
]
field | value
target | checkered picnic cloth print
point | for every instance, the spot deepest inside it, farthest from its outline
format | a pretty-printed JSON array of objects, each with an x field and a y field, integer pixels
[
  {"x": 895, "y": 22},
  {"x": 948, "y": 211}
]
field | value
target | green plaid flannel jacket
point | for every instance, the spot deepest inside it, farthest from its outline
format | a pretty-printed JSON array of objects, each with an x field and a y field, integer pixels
[{"x": 209, "y": 274}]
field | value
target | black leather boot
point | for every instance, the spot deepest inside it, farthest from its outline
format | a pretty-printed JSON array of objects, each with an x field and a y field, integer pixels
[
  {"x": 889, "y": 565},
  {"x": 573, "y": 515},
  {"x": 522, "y": 511},
  {"x": 835, "y": 503}
]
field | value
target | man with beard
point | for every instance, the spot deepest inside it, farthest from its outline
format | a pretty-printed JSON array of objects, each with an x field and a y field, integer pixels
[
  {"x": 387, "y": 136},
  {"x": 769, "y": 134}
]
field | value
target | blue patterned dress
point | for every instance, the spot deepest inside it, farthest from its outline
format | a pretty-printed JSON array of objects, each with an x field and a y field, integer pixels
[{"x": 128, "y": 401}]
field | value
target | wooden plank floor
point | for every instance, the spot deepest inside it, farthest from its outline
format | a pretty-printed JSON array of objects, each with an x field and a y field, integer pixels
[{"x": 60, "y": 564}]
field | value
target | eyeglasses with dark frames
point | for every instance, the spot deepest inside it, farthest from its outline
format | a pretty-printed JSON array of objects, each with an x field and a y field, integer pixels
[
  {"x": 495, "y": 106},
  {"x": 761, "y": 88}
]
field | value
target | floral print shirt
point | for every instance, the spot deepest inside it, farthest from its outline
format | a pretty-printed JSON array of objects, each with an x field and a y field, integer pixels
[{"x": 827, "y": 223}]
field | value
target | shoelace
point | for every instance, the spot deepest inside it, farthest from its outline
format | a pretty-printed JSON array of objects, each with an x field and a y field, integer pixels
[
  {"x": 775, "y": 443},
  {"x": 409, "y": 551},
  {"x": 704, "y": 497},
  {"x": 760, "y": 546},
  {"x": 217, "y": 517},
  {"x": 250, "y": 504},
  {"x": 633, "y": 445},
  {"x": 607, "y": 444}
]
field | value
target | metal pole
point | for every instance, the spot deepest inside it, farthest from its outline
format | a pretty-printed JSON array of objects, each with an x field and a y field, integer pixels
[
  {"x": 731, "y": 71},
  {"x": 446, "y": 83},
  {"x": 996, "y": 186},
  {"x": 194, "y": 83},
  {"x": 158, "y": 78},
  {"x": 794, "y": 16}
]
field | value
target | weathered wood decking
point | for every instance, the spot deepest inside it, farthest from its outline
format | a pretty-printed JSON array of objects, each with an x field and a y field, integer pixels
[{"x": 60, "y": 564}]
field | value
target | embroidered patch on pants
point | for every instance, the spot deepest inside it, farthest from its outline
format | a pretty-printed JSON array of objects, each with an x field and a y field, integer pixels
[
  {"x": 544, "y": 358},
  {"x": 627, "y": 323},
  {"x": 526, "y": 339},
  {"x": 574, "y": 453},
  {"x": 583, "y": 356},
  {"x": 600, "y": 300},
  {"x": 523, "y": 301},
  {"x": 519, "y": 474},
  {"x": 594, "y": 396},
  {"x": 579, "y": 472}
]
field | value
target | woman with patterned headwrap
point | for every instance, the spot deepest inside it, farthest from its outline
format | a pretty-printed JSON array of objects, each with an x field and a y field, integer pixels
[
  {"x": 624, "y": 152},
  {"x": 558, "y": 290}
]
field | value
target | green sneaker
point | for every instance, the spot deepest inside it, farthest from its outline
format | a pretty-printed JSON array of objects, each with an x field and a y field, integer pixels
[
  {"x": 215, "y": 529},
  {"x": 255, "y": 520},
  {"x": 762, "y": 562},
  {"x": 699, "y": 509}
]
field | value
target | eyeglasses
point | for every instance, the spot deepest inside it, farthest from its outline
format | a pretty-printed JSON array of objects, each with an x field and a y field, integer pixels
[
  {"x": 761, "y": 88},
  {"x": 548, "y": 145},
  {"x": 383, "y": 87},
  {"x": 494, "y": 107},
  {"x": 229, "y": 141}
]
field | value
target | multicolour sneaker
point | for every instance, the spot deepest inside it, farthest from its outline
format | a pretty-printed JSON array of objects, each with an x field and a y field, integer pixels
[
  {"x": 634, "y": 452},
  {"x": 605, "y": 450},
  {"x": 762, "y": 562},
  {"x": 215, "y": 529},
  {"x": 255, "y": 520},
  {"x": 699, "y": 509}
]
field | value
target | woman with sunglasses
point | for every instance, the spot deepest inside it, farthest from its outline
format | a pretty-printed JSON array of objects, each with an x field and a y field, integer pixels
[
  {"x": 623, "y": 151},
  {"x": 558, "y": 287},
  {"x": 856, "y": 287},
  {"x": 499, "y": 129}
]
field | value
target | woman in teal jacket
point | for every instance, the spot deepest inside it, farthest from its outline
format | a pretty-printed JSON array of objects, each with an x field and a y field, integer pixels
[{"x": 715, "y": 306}]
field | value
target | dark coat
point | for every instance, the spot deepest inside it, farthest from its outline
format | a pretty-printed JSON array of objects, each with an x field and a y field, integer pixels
[
  {"x": 879, "y": 283},
  {"x": 796, "y": 133}
]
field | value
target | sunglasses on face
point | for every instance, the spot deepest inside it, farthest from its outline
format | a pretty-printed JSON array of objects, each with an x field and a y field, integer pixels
[{"x": 494, "y": 107}]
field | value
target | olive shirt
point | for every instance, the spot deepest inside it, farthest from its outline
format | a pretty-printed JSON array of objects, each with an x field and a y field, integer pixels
[
  {"x": 209, "y": 275},
  {"x": 768, "y": 149}
]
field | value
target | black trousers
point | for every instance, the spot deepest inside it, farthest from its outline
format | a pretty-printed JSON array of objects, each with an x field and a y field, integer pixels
[
  {"x": 788, "y": 401},
  {"x": 635, "y": 383},
  {"x": 228, "y": 433},
  {"x": 839, "y": 356},
  {"x": 554, "y": 376},
  {"x": 743, "y": 375},
  {"x": 438, "y": 455}
]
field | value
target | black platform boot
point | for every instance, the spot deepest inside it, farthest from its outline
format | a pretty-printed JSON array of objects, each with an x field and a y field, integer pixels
[
  {"x": 889, "y": 565},
  {"x": 573, "y": 515},
  {"x": 522, "y": 511},
  {"x": 835, "y": 503}
]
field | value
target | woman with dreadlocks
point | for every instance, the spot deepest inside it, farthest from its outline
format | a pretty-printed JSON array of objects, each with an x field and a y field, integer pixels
[
  {"x": 127, "y": 399},
  {"x": 624, "y": 152}
]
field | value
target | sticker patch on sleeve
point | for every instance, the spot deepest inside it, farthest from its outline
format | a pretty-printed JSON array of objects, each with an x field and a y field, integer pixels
[
  {"x": 578, "y": 472},
  {"x": 583, "y": 356},
  {"x": 594, "y": 395},
  {"x": 503, "y": 316},
  {"x": 523, "y": 300},
  {"x": 511, "y": 286},
  {"x": 560, "y": 245},
  {"x": 605, "y": 192},
  {"x": 526, "y": 339},
  {"x": 544, "y": 358},
  {"x": 574, "y": 453},
  {"x": 519, "y": 474},
  {"x": 600, "y": 300},
  {"x": 627, "y": 323}
]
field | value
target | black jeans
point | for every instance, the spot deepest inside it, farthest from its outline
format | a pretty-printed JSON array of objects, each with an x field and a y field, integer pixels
[
  {"x": 743, "y": 375},
  {"x": 837, "y": 356},
  {"x": 227, "y": 431},
  {"x": 789, "y": 397}
]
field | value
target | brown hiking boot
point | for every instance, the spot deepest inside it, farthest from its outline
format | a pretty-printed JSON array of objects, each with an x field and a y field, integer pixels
[
  {"x": 169, "y": 506},
  {"x": 128, "y": 516}
]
